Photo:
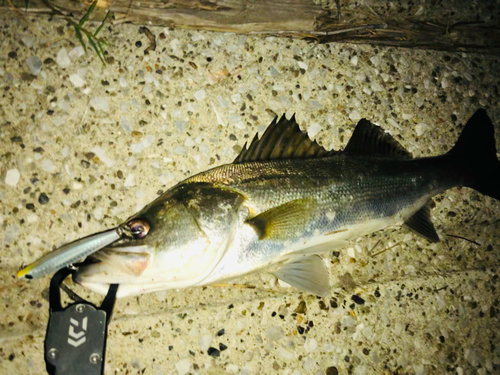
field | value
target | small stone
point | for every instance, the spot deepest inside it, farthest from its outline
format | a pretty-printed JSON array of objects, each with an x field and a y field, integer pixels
[
  {"x": 213, "y": 352},
  {"x": 100, "y": 104},
  {"x": 12, "y": 177},
  {"x": 76, "y": 52},
  {"x": 47, "y": 165},
  {"x": 310, "y": 345},
  {"x": 354, "y": 115},
  {"x": 85, "y": 164},
  {"x": 130, "y": 180},
  {"x": 421, "y": 128},
  {"x": 358, "y": 300},
  {"x": 221, "y": 332},
  {"x": 155, "y": 334},
  {"x": 76, "y": 80},
  {"x": 332, "y": 370},
  {"x": 12, "y": 54},
  {"x": 354, "y": 60},
  {"x": 183, "y": 366},
  {"x": 200, "y": 95},
  {"x": 43, "y": 198},
  {"x": 205, "y": 341},
  {"x": 222, "y": 347},
  {"x": 302, "y": 308},
  {"x": 62, "y": 58},
  {"x": 274, "y": 333},
  {"x": 302, "y": 65},
  {"x": 101, "y": 154},
  {"x": 314, "y": 129},
  {"x": 34, "y": 64}
]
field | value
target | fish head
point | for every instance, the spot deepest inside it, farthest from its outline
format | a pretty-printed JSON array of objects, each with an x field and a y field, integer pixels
[{"x": 175, "y": 242}]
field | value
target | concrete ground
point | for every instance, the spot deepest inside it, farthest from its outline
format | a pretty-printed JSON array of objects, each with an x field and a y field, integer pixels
[{"x": 83, "y": 146}]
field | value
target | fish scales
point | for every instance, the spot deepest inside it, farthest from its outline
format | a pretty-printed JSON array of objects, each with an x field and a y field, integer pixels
[{"x": 283, "y": 201}]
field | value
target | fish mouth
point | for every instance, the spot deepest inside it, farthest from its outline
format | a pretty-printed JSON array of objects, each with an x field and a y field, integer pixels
[{"x": 116, "y": 264}]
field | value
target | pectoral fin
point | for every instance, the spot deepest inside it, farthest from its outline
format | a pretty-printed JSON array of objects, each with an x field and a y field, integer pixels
[
  {"x": 283, "y": 221},
  {"x": 307, "y": 273},
  {"x": 420, "y": 223}
]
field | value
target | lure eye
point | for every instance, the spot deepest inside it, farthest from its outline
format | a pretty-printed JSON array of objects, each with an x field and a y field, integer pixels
[{"x": 139, "y": 228}]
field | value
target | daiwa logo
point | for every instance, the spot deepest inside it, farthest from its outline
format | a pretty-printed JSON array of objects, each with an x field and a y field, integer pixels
[{"x": 77, "y": 338}]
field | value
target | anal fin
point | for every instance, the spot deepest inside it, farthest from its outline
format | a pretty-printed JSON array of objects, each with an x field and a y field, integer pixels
[
  {"x": 307, "y": 273},
  {"x": 420, "y": 223}
]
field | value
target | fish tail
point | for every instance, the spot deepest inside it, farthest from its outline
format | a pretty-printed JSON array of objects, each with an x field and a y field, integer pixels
[{"x": 476, "y": 154}]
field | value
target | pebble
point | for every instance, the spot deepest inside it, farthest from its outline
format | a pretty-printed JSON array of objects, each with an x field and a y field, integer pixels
[
  {"x": 179, "y": 150},
  {"x": 76, "y": 52},
  {"x": 200, "y": 95},
  {"x": 354, "y": 60},
  {"x": 302, "y": 65},
  {"x": 348, "y": 321},
  {"x": 358, "y": 300},
  {"x": 285, "y": 353},
  {"x": 101, "y": 154},
  {"x": 76, "y": 80},
  {"x": 183, "y": 366},
  {"x": 130, "y": 180},
  {"x": 34, "y": 64},
  {"x": 274, "y": 333},
  {"x": 32, "y": 218},
  {"x": 12, "y": 177},
  {"x": 310, "y": 345},
  {"x": 314, "y": 129},
  {"x": 144, "y": 143},
  {"x": 100, "y": 103},
  {"x": 355, "y": 115},
  {"x": 421, "y": 128},
  {"x": 377, "y": 87},
  {"x": 28, "y": 40},
  {"x": 43, "y": 198},
  {"x": 47, "y": 165},
  {"x": 62, "y": 58},
  {"x": 205, "y": 341},
  {"x": 232, "y": 368},
  {"x": 11, "y": 233},
  {"x": 213, "y": 352}
]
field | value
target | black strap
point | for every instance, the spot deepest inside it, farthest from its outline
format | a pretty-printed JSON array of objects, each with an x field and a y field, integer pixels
[{"x": 75, "y": 342}]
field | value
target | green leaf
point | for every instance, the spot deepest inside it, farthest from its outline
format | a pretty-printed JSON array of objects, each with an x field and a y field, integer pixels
[
  {"x": 80, "y": 38},
  {"x": 87, "y": 15},
  {"x": 102, "y": 24},
  {"x": 96, "y": 49}
]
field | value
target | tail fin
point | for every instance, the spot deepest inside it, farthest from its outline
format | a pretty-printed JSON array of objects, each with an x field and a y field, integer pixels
[{"x": 478, "y": 155}]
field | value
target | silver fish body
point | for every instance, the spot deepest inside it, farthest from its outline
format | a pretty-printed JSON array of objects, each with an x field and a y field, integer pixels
[{"x": 283, "y": 201}]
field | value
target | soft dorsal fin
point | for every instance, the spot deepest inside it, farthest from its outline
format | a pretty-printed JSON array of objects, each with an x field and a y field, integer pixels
[
  {"x": 282, "y": 139},
  {"x": 369, "y": 139}
]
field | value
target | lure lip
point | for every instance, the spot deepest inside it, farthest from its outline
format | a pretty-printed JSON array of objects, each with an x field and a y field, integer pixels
[{"x": 70, "y": 253}]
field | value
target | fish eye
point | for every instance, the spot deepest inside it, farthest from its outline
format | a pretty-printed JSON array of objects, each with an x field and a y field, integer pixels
[{"x": 139, "y": 228}]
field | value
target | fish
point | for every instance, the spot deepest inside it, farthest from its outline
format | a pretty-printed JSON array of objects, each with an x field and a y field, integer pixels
[{"x": 283, "y": 202}]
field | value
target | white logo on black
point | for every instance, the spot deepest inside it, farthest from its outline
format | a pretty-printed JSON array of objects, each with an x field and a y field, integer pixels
[{"x": 76, "y": 338}]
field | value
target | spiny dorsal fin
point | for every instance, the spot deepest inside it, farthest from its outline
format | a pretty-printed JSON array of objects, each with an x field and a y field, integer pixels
[
  {"x": 282, "y": 139},
  {"x": 369, "y": 139},
  {"x": 420, "y": 223}
]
